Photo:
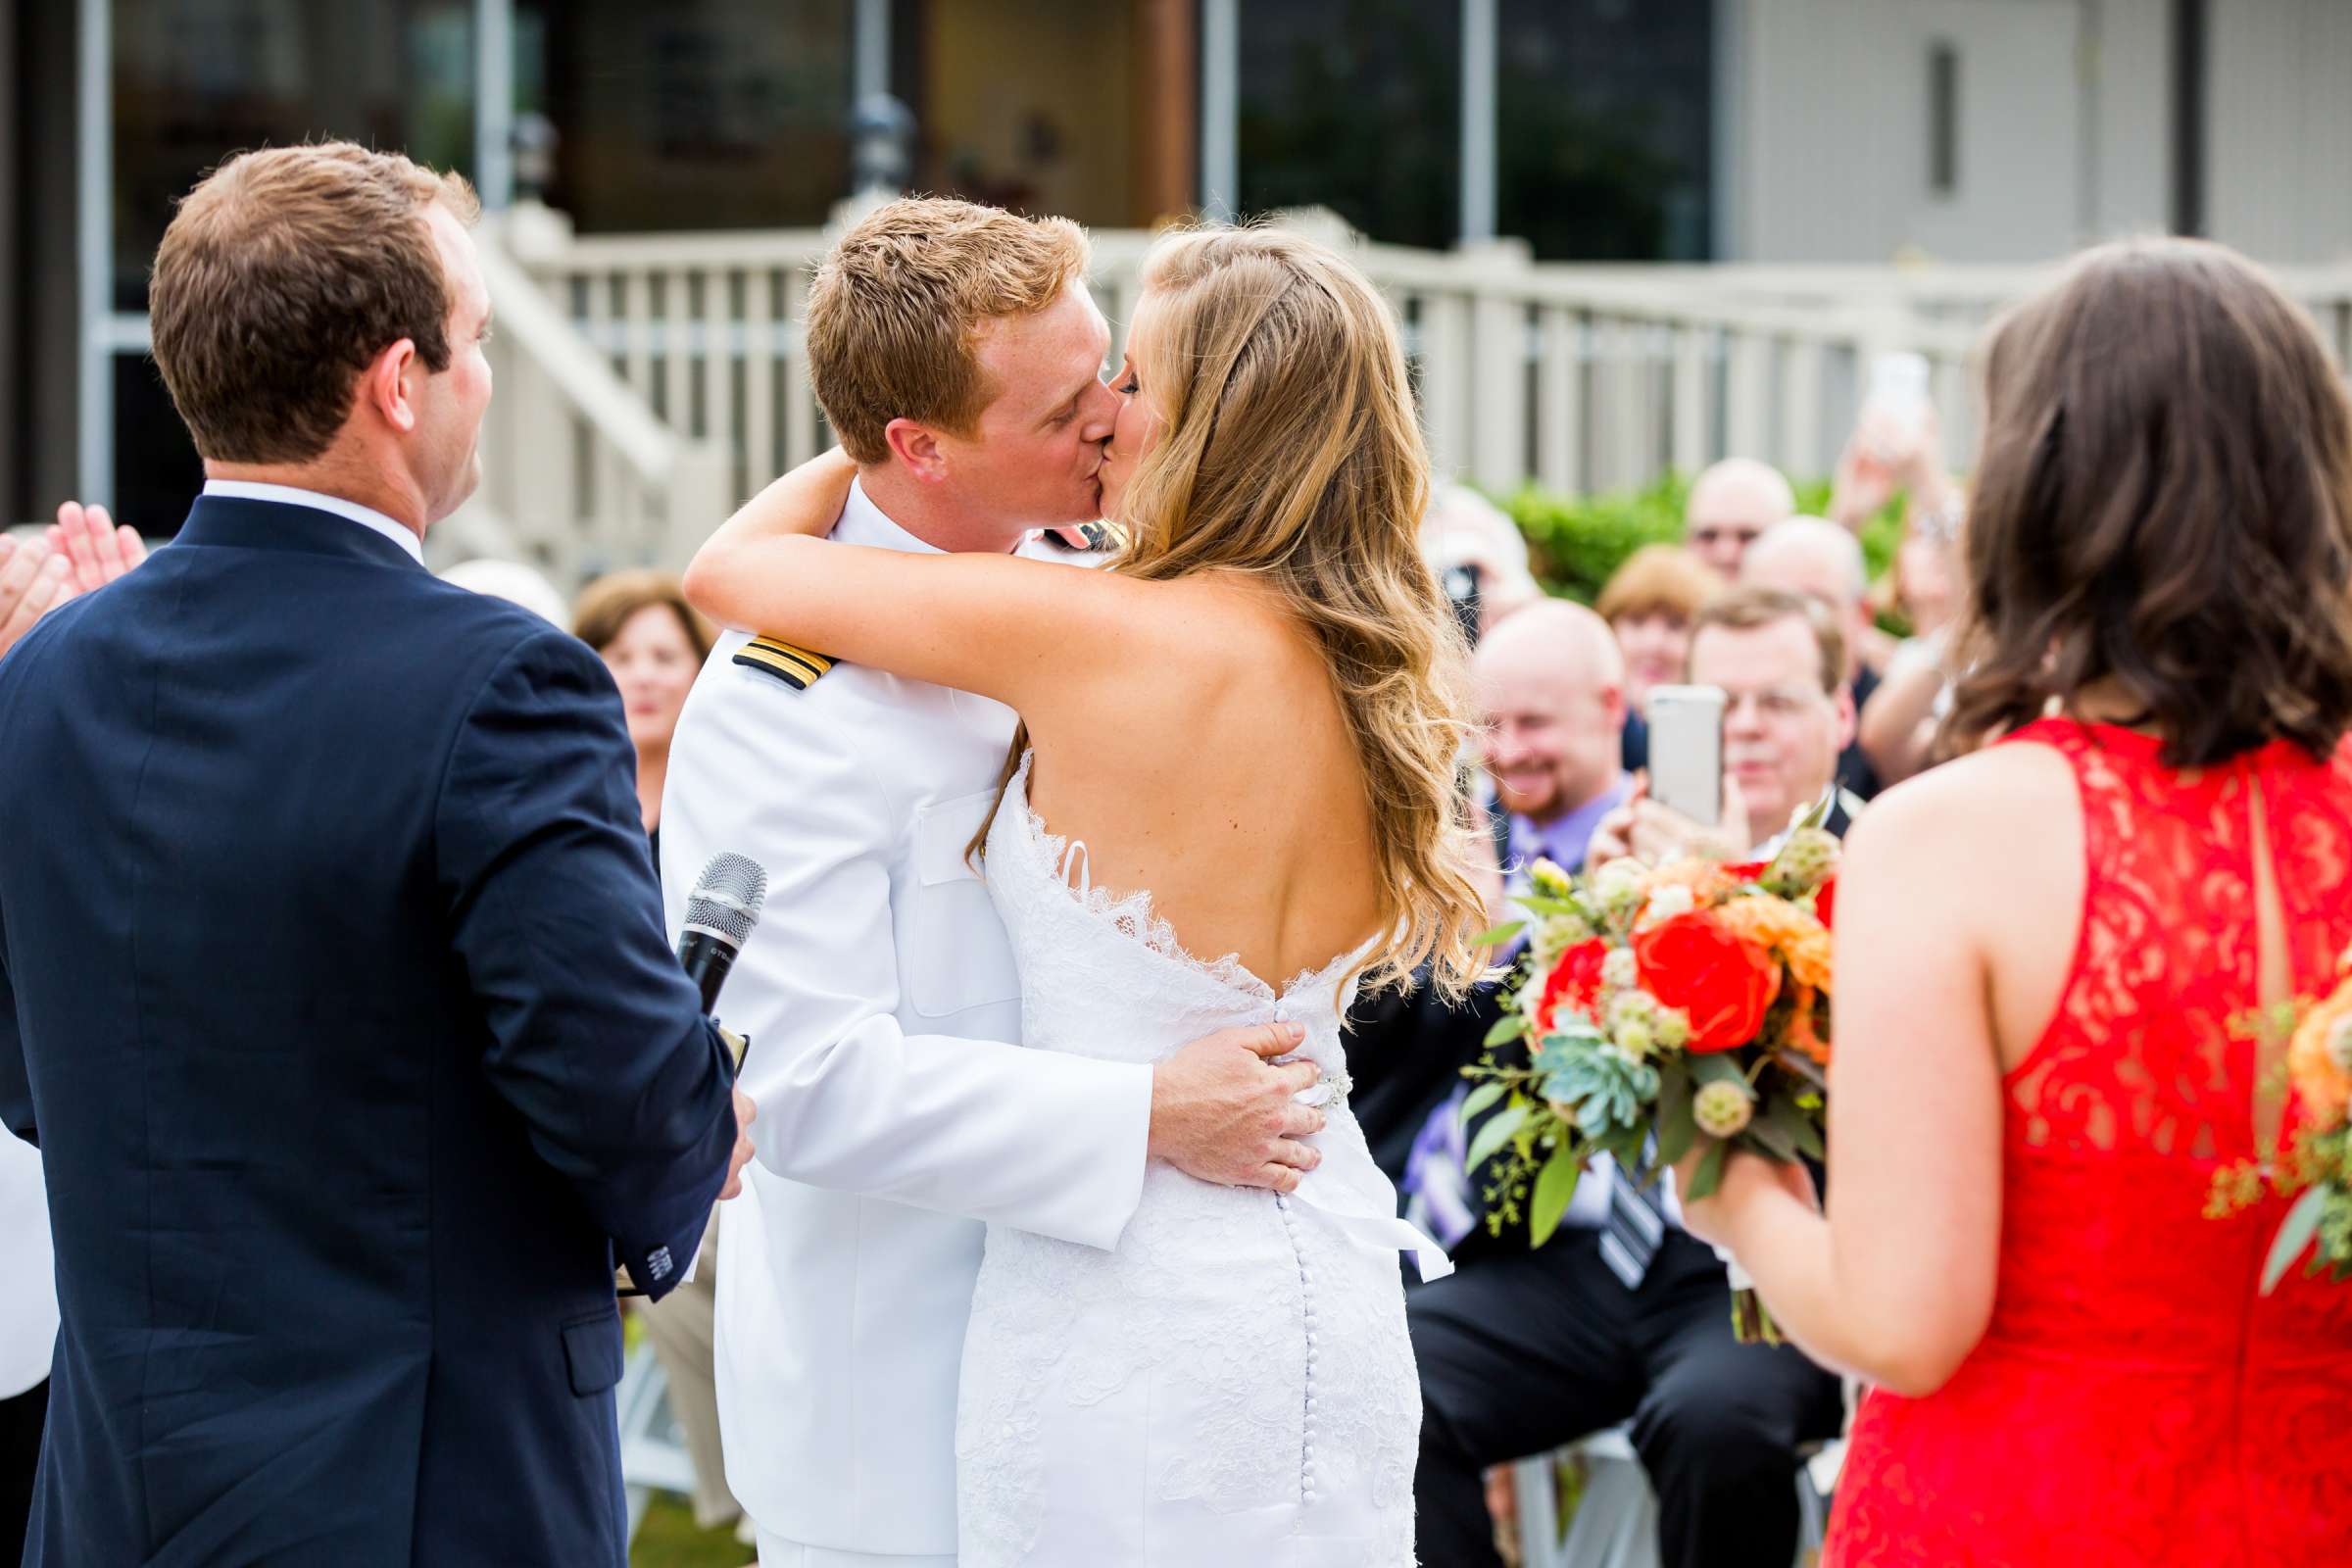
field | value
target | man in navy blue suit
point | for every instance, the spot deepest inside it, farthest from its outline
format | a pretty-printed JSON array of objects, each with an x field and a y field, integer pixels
[{"x": 332, "y": 979}]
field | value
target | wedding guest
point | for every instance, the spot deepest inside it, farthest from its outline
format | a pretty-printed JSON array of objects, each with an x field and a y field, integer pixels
[
  {"x": 653, "y": 643},
  {"x": 1778, "y": 657},
  {"x": 1550, "y": 686},
  {"x": 1650, "y": 603},
  {"x": 1896, "y": 446},
  {"x": 2067, "y": 945},
  {"x": 1729, "y": 506},
  {"x": 1462, "y": 532},
  {"x": 1815, "y": 557}
]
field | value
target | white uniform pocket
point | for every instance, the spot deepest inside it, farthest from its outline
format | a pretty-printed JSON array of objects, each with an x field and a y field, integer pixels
[{"x": 957, "y": 955}]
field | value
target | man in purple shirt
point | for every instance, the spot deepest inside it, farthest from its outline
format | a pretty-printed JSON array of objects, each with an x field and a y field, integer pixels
[{"x": 1550, "y": 686}]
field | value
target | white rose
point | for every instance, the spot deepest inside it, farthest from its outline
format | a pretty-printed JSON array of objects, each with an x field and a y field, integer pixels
[{"x": 1668, "y": 902}]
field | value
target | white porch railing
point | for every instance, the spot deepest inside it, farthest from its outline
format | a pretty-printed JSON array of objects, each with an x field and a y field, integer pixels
[{"x": 683, "y": 382}]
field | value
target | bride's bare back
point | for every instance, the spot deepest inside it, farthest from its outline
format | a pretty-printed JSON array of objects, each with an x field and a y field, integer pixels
[{"x": 1220, "y": 775}]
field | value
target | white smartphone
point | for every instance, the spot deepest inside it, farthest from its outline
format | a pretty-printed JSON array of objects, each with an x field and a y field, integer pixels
[
  {"x": 1686, "y": 751},
  {"x": 1898, "y": 395}
]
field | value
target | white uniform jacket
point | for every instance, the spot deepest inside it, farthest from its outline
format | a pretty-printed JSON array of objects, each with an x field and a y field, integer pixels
[{"x": 898, "y": 1112}]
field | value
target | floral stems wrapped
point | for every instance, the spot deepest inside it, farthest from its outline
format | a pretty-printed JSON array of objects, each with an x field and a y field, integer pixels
[{"x": 1657, "y": 1010}]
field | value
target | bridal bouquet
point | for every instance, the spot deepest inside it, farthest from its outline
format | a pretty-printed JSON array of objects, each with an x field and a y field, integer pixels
[
  {"x": 1658, "y": 1009},
  {"x": 2318, "y": 1168}
]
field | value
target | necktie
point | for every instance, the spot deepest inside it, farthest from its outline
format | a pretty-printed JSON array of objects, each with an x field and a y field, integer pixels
[{"x": 1635, "y": 1226}]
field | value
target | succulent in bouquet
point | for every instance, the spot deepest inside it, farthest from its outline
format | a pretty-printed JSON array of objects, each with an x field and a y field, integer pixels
[
  {"x": 2317, "y": 1168},
  {"x": 1658, "y": 1009}
]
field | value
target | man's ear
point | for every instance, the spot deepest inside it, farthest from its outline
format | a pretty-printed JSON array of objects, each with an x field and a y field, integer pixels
[
  {"x": 917, "y": 445},
  {"x": 1846, "y": 717},
  {"x": 389, "y": 385}
]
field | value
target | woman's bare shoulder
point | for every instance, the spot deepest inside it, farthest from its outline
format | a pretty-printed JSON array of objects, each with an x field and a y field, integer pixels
[{"x": 1982, "y": 809}]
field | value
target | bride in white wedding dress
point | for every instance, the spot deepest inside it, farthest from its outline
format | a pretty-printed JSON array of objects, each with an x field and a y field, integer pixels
[{"x": 1239, "y": 741}]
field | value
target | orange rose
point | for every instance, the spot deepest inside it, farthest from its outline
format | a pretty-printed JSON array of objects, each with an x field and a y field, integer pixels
[
  {"x": 1705, "y": 879},
  {"x": 1809, "y": 961},
  {"x": 1721, "y": 983},
  {"x": 2316, "y": 1060},
  {"x": 1804, "y": 1033},
  {"x": 1790, "y": 930}
]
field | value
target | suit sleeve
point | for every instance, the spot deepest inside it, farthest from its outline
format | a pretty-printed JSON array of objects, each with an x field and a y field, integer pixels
[
  {"x": 16, "y": 1079},
  {"x": 597, "y": 1037},
  {"x": 849, "y": 1100}
]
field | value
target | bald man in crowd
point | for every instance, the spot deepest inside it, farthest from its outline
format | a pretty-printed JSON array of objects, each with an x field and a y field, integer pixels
[
  {"x": 1730, "y": 505},
  {"x": 1817, "y": 559},
  {"x": 1549, "y": 685}
]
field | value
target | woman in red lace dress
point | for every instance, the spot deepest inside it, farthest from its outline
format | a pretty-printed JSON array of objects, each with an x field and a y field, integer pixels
[{"x": 2054, "y": 957}]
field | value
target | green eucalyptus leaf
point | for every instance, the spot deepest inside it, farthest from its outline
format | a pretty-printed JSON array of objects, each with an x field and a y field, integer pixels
[
  {"x": 1793, "y": 1126},
  {"x": 1506, "y": 1029},
  {"x": 1555, "y": 1184},
  {"x": 1494, "y": 1134},
  {"x": 1802, "y": 1067},
  {"x": 1480, "y": 1099},
  {"x": 1677, "y": 1126},
  {"x": 1495, "y": 936},
  {"x": 1766, "y": 1138},
  {"x": 2294, "y": 1235},
  {"x": 1713, "y": 1066},
  {"x": 1541, "y": 905},
  {"x": 1709, "y": 1174}
]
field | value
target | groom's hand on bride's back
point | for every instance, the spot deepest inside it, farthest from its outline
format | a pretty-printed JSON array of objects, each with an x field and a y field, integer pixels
[{"x": 1222, "y": 1111}]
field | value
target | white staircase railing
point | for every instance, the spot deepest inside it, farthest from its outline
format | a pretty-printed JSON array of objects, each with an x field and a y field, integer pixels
[{"x": 580, "y": 475}]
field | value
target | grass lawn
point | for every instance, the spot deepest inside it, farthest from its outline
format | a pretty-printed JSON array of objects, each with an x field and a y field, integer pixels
[{"x": 667, "y": 1539}]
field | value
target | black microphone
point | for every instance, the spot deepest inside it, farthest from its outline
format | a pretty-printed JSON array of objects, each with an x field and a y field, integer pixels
[{"x": 720, "y": 912}]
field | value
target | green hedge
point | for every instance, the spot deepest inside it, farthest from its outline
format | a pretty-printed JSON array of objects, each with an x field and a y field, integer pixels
[{"x": 1575, "y": 542}]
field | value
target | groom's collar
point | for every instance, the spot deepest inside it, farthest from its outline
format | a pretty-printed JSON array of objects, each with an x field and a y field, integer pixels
[{"x": 864, "y": 523}]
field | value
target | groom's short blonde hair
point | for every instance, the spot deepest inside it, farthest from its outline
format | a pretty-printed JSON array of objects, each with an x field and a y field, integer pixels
[{"x": 896, "y": 311}]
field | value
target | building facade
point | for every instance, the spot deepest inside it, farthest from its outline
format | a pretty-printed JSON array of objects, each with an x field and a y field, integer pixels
[{"x": 1775, "y": 132}]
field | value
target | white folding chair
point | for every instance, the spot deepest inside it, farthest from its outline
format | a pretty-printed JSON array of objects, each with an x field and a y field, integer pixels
[{"x": 1616, "y": 1519}]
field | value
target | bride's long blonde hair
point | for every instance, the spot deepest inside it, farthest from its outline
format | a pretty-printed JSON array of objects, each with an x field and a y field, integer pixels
[{"x": 1289, "y": 451}]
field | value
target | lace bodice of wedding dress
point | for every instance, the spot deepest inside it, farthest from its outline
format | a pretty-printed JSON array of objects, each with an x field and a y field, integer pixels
[{"x": 1232, "y": 1383}]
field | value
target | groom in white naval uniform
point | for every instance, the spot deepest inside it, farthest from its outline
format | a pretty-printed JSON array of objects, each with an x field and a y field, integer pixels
[{"x": 959, "y": 358}]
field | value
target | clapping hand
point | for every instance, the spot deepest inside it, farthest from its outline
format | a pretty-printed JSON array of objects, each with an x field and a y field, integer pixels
[
  {"x": 34, "y": 579},
  {"x": 96, "y": 550}
]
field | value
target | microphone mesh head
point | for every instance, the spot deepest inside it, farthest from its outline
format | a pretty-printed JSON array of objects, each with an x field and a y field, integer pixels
[{"x": 727, "y": 896}]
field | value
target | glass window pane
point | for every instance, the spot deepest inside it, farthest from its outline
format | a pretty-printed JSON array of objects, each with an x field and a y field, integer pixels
[
  {"x": 1028, "y": 105},
  {"x": 722, "y": 114},
  {"x": 157, "y": 473},
  {"x": 196, "y": 80},
  {"x": 1605, "y": 128},
  {"x": 1354, "y": 105}
]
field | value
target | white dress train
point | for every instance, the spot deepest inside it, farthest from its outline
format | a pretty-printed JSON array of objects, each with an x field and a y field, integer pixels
[{"x": 1232, "y": 1383}]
